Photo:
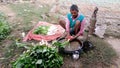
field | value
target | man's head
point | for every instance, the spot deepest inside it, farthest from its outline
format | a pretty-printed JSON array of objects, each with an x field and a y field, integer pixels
[{"x": 74, "y": 10}]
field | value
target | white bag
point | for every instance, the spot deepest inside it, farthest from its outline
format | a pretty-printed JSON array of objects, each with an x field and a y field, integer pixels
[{"x": 100, "y": 30}]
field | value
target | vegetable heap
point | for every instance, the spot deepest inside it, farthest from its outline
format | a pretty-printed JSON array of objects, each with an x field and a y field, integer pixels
[
  {"x": 41, "y": 30},
  {"x": 39, "y": 57}
]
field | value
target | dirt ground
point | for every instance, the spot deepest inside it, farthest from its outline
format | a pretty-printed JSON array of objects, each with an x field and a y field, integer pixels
[
  {"x": 106, "y": 15},
  {"x": 115, "y": 43}
]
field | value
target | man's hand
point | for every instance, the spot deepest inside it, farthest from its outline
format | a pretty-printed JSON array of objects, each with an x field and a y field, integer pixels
[
  {"x": 69, "y": 37},
  {"x": 74, "y": 37}
]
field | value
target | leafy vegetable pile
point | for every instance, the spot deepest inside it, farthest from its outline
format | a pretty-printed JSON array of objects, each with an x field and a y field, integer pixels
[
  {"x": 4, "y": 27},
  {"x": 41, "y": 30},
  {"x": 59, "y": 44},
  {"x": 39, "y": 57}
]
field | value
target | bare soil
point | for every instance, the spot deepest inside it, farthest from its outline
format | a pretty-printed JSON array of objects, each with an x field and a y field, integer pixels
[{"x": 115, "y": 43}]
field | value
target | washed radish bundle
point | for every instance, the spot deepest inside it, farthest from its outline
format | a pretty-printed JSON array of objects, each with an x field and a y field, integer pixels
[
  {"x": 52, "y": 30},
  {"x": 46, "y": 30}
]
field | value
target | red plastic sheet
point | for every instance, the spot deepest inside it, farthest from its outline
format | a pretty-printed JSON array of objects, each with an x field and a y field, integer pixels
[{"x": 32, "y": 36}]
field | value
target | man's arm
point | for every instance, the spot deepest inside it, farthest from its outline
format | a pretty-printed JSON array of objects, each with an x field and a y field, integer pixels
[{"x": 67, "y": 26}]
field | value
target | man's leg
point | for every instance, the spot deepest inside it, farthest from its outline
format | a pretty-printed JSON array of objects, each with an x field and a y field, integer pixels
[
  {"x": 77, "y": 27},
  {"x": 62, "y": 23}
]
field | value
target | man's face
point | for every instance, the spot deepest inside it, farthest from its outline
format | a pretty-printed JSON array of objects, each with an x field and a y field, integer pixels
[{"x": 74, "y": 13}]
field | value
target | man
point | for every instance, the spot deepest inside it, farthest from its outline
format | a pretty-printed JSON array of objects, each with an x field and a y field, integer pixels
[{"x": 74, "y": 23}]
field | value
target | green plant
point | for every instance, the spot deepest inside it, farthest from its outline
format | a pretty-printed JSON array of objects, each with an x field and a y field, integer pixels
[
  {"x": 60, "y": 44},
  {"x": 39, "y": 57},
  {"x": 4, "y": 27},
  {"x": 41, "y": 30}
]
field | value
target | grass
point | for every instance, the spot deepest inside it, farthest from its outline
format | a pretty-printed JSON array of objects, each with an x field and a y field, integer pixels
[
  {"x": 4, "y": 27},
  {"x": 101, "y": 55},
  {"x": 29, "y": 13},
  {"x": 10, "y": 53}
]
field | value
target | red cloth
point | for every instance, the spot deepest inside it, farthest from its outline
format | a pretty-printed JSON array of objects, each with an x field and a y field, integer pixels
[{"x": 33, "y": 36}]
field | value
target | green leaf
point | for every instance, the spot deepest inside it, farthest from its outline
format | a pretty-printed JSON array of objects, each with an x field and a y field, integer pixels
[
  {"x": 18, "y": 64},
  {"x": 50, "y": 56},
  {"x": 39, "y": 50},
  {"x": 41, "y": 30},
  {"x": 45, "y": 49},
  {"x": 39, "y": 61}
]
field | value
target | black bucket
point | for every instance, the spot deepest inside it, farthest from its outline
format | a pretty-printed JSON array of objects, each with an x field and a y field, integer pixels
[{"x": 87, "y": 46}]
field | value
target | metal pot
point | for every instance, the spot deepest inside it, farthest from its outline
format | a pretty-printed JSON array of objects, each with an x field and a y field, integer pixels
[{"x": 74, "y": 53}]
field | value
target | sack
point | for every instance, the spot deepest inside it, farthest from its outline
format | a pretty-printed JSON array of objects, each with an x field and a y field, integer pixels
[{"x": 55, "y": 33}]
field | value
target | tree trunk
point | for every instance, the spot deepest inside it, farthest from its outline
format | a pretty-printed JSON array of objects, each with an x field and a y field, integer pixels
[{"x": 93, "y": 21}]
